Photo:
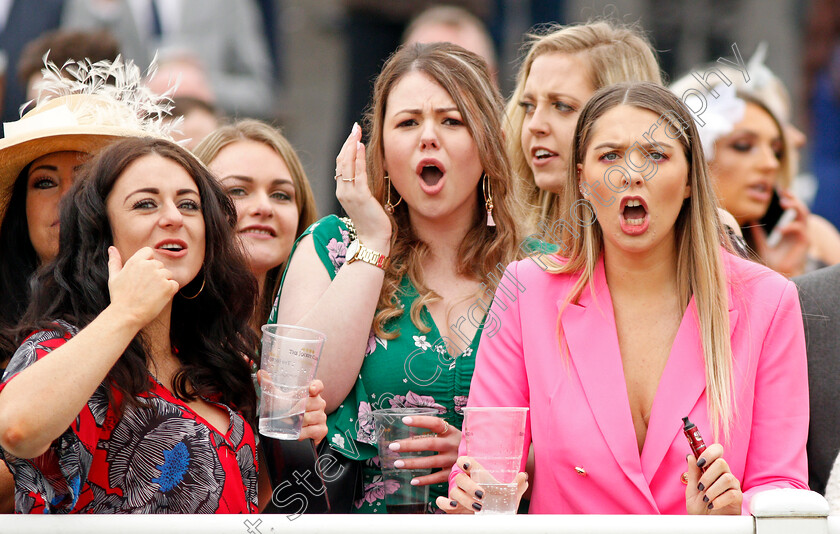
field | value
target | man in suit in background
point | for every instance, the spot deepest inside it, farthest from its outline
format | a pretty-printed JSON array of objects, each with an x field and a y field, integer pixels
[
  {"x": 22, "y": 21},
  {"x": 819, "y": 294},
  {"x": 218, "y": 46}
]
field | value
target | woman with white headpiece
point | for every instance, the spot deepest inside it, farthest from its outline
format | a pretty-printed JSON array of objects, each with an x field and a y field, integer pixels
[{"x": 751, "y": 147}]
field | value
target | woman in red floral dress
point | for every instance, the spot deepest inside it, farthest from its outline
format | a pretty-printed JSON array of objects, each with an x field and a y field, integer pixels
[{"x": 133, "y": 394}]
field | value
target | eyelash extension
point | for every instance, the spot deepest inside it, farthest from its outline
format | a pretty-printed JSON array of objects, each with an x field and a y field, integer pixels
[
  {"x": 37, "y": 183},
  {"x": 137, "y": 204}
]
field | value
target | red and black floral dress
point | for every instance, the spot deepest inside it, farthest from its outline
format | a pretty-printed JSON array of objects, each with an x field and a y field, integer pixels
[{"x": 162, "y": 460}]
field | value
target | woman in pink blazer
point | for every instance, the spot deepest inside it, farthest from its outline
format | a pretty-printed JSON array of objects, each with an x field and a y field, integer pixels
[{"x": 644, "y": 319}]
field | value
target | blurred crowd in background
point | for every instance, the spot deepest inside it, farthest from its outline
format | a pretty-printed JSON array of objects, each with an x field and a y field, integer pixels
[{"x": 308, "y": 65}]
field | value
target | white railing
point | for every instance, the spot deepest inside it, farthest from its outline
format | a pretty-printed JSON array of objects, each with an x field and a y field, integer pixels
[{"x": 773, "y": 512}]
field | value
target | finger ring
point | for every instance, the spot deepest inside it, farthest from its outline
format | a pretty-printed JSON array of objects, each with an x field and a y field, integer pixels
[
  {"x": 348, "y": 179},
  {"x": 338, "y": 175},
  {"x": 445, "y": 429}
]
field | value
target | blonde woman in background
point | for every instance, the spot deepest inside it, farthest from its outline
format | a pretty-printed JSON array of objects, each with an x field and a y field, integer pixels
[
  {"x": 261, "y": 172},
  {"x": 564, "y": 66}
]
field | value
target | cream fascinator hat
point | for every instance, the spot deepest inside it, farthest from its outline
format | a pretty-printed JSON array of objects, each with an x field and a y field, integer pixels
[
  {"x": 725, "y": 107},
  {"x": 82, "y": 107},
  {"x": 723, "y": 110}
]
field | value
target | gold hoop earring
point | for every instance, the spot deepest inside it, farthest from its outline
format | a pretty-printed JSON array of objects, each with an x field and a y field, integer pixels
[
  {"x": 388, "y": 206},
  {"x": 203, "y": 280},
  {"x": 488, "y": 198}
]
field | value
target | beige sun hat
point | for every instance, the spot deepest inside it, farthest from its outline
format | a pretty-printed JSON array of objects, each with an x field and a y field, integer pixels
[{"x": 78, "y": 111}]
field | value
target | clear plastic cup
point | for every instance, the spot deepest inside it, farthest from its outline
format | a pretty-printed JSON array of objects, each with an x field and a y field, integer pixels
[
  {"x": 289, "y": 360},
  {"x": 400, "y": 496},
  {"x": 495, "y": 439}
]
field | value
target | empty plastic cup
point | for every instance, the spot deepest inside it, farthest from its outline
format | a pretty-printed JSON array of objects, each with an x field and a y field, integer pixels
[
  {"x": 289, "y": 360},
  {"x": 495, "y": 439}
]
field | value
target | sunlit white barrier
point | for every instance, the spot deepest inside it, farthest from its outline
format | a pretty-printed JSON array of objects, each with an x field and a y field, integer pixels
[{"x": 774, "y": 512}]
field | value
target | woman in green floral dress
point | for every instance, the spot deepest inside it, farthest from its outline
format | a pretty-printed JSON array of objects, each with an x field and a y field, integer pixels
[{"x": 402, "y": 286}]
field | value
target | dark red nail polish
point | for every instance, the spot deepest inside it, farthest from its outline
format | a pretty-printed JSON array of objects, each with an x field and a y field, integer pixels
[
  {"x": 701, "y": 462},
  {"x": 453, "y": 504},
  {"x": 476, "y": 506},
  {"x": 701, "y": 487},
  {"x": 711, "y": 505},
  {"x": 466, "y": 465},
  {"x": 705, "y": 498},
  {"x": 479, "y": 494}
]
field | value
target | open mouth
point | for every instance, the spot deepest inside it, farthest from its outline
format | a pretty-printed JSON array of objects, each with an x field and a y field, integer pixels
[
  {"x": 543, "y": 153},
  {"x": 431, "y": 175},
  {"x": 172, "y": 246},
  {"x": 760, "y": 191},
  {"x": 634, "y": 212}
]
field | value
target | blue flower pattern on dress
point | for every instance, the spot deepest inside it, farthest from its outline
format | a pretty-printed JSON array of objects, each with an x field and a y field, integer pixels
[
  {"x": 177, "y": 461},
  {"x": 158, "y": 458}
]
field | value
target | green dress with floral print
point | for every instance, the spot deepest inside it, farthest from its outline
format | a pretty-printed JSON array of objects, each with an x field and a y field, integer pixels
[{"x": 414, "y": 369}]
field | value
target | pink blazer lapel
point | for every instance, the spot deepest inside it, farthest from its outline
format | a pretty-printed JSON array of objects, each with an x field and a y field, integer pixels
[
  {"x": 592, "y": 339},
  {"x": 680, "y": 388}
]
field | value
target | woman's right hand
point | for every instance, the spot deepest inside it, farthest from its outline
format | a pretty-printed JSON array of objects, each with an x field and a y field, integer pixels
[
  {"x": 373, "y": 227},
  {"x": 141, "y": 287},
  {"x": 466, "y": 497}
]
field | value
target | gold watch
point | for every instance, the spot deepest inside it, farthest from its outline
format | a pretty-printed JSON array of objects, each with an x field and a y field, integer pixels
[{"x": 358, "y": 252}]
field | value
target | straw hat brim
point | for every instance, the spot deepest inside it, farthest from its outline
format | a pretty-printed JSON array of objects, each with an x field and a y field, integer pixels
[{"x": 17, "y": 153}]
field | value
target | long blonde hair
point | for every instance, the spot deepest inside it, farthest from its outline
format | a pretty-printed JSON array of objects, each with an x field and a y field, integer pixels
[
  {"x": 464, "y": 76},
  {"x": 614, "y": 52},
  {"x": 260, "y": 132},
  {"x": 698, "y": 232}
]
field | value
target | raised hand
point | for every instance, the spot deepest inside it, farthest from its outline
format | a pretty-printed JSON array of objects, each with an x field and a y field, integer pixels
[
  {"x": 715, "y": 491},
  {"x": 373, "y": 226},
  {"x": 141, "y": 287}
]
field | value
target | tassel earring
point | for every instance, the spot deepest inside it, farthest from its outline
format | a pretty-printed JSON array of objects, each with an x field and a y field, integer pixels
[
  {"x": 388, "y": 206},
  {"x": 488, "y": 199}
]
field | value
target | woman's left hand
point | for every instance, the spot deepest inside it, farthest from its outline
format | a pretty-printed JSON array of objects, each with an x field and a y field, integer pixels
[
  {"x": 445, "y": 444},
  {"x": 715, "y": 491},
  {"x": 315, "y": 417}
]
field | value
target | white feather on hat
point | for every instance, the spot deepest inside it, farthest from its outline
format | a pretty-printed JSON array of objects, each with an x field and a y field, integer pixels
[{"x": 82, "y": 106}]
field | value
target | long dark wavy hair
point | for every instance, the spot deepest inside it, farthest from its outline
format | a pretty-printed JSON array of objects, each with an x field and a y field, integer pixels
[
  {"x": 210, "y": 334},
  {"x": 18, "y": 262}
]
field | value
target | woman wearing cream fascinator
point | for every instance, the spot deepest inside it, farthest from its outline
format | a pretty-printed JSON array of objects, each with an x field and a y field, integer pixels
[{"x": 752, "y": 150}]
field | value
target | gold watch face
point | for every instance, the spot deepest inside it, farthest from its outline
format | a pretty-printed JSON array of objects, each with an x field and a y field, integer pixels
[{"x": 352, "y": 250}]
